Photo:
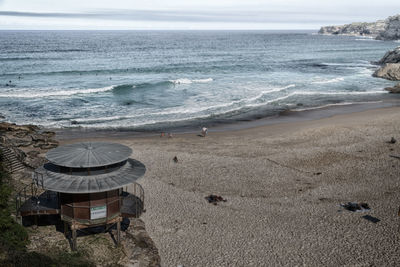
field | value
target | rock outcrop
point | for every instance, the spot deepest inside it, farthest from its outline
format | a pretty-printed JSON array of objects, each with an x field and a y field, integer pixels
[
  {"x": 392, "y": 56},
  {"x": 394, "y": 90},
  {"x": 390, "y": 71},
  {"x": 388, "y": 29},
  {"x": 390, "y": 68},
  {"x": 372, "y": 29},
  {"x": 28, "y": 142},
  {"x": 392, "y": 29}
]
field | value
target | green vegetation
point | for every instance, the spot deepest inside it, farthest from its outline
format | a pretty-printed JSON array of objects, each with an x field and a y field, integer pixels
[{"x": 14, "y": 237}]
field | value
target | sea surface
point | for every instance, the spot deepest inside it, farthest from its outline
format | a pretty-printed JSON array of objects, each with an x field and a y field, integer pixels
[{"x": 157, "y": 80}]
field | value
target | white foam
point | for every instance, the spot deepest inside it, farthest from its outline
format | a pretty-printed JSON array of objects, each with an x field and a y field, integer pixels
[
  {"x": 53, "y": 92},
  {"x": 336, "y": 104},
  {"x": 188, "y": 81},
  {"x": 263, "y": 93},
  {"x": 334, "y": 80}
]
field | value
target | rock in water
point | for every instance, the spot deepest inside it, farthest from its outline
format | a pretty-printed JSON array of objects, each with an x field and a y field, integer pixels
[
  {"x": 390, "y": 71},
  {"x": 394, "y": 90},
  {"x": 392, "y": 56}
]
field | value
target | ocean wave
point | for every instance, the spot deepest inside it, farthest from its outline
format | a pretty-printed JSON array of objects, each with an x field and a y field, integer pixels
[
  {"x": 188, "y": 81},
  {"x": 54, "y": 93},
  {"x": 366, "y": 39},
  {"x": 335, "y": 104},
  {"x": 334, "y": 80},
  {"x": 349, "y": 64},
  {"x": 192, "y": 114},
  {"x": 340, "y": 93},
  {"x": 117, "y": 89}
]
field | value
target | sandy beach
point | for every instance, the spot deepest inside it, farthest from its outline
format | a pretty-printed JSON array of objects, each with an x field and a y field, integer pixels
[{"x": 284, "y": 184}]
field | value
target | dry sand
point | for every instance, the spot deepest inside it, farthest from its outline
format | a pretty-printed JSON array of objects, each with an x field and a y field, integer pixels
[{"x": 284, "y": 185}]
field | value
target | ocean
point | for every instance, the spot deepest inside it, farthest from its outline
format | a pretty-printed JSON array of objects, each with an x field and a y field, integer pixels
[{"x": 157, "y": 80}]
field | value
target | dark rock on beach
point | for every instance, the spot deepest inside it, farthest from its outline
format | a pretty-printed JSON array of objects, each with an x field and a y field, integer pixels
[{"x": 394, "y": 90}]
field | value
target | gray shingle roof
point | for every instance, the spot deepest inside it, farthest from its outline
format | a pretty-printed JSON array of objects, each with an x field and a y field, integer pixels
[
  {"x": 66, "y": 183},
  {"x": 88, "y": 154}
]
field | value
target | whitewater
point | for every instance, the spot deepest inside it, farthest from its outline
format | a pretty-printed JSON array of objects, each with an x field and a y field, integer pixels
[{"x": 161, "y": 80}]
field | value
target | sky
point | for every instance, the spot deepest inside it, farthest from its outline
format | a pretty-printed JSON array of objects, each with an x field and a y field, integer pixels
[{"x": 189, "y": 14}]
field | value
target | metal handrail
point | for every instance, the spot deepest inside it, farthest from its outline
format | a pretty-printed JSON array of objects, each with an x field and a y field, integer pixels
[
  {"x": 138, "y": 192},
  {"x": 26, "y": 193}
]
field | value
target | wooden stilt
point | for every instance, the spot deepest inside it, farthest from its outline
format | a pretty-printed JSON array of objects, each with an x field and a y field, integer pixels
[
  {"x": 74, "y": 245},
  {"x": 65, "y": 229},
  {"x": 35, "y": 221},
  {"x": 118, "y": 232}
]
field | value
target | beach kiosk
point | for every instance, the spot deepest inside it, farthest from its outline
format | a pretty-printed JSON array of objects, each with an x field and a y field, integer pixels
[{"x": 88, "y": 184}]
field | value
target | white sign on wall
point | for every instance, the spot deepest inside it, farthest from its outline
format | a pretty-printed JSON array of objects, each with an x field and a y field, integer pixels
[{"x": 98, "y": 212}]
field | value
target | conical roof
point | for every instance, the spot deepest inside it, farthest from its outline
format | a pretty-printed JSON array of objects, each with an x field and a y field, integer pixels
[
  {"x": 88, "y": 154},
  {"x": 49, "y": 178}
]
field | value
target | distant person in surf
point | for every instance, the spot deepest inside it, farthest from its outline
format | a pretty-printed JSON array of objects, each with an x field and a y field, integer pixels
[{"x": 204, "y": 131}]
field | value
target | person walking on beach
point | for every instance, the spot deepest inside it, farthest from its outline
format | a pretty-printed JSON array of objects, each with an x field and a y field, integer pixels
[{"x": 204, "y": 131}]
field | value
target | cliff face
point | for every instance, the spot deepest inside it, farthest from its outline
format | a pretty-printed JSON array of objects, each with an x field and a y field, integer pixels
[
  {"x": 363, "y": 29},
  {"x": 392, "y": 29},
  {"x": 388, "y": 29},
  {"x": 390, "y": 69},
  {"x": 392, "y": 56}
]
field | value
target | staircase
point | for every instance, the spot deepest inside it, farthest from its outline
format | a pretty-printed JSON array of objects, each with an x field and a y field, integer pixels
[{"x": 12, "y": 163}]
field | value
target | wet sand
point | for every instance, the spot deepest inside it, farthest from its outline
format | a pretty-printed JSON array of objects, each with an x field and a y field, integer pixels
[{"x": 284, "y": 184}]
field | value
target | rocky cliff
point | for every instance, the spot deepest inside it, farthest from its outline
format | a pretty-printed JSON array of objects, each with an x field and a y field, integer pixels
[
  {"x": 392, "y": 56},
  {"x": 364, "y": 29},
  {"x": 390, "y": 69},
  {"x": 388, "y": 29},
  {"x": 392, "y": 29},
  {"x": 27, "y": 142}
]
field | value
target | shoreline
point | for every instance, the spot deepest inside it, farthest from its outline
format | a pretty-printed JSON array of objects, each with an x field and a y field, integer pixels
[{"x": 288, "y": 116}]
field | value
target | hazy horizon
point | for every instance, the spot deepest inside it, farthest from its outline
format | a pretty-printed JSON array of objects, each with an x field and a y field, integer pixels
[{"x": 184, "y": 15}]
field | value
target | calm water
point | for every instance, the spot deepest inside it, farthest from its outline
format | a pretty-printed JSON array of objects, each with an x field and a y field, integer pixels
[{"x": 155, "y": 80}]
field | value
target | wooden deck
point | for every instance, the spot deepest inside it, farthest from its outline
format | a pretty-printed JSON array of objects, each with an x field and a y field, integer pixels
[
  {"x": 44, "y": 204},
  {"x": 132, "y": 206},
  {"x": 48, "y": 204}
]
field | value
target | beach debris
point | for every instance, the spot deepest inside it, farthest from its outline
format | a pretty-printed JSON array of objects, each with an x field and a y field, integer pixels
[
  {"x": 356, "y": 207},
  {"x": 392, "y": 140},
  {"x": 371, "y": 218},
  {"x": 175, "y": 159},
  {"x": 169, "y": 135},
  {"x": 317, "y": 173},
  {"x": 394, "y": 156},
  {"x": 214, "y": 199}
]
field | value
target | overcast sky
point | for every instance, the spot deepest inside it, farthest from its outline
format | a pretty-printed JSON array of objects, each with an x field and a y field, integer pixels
[{"x": 189, "y": 14}]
